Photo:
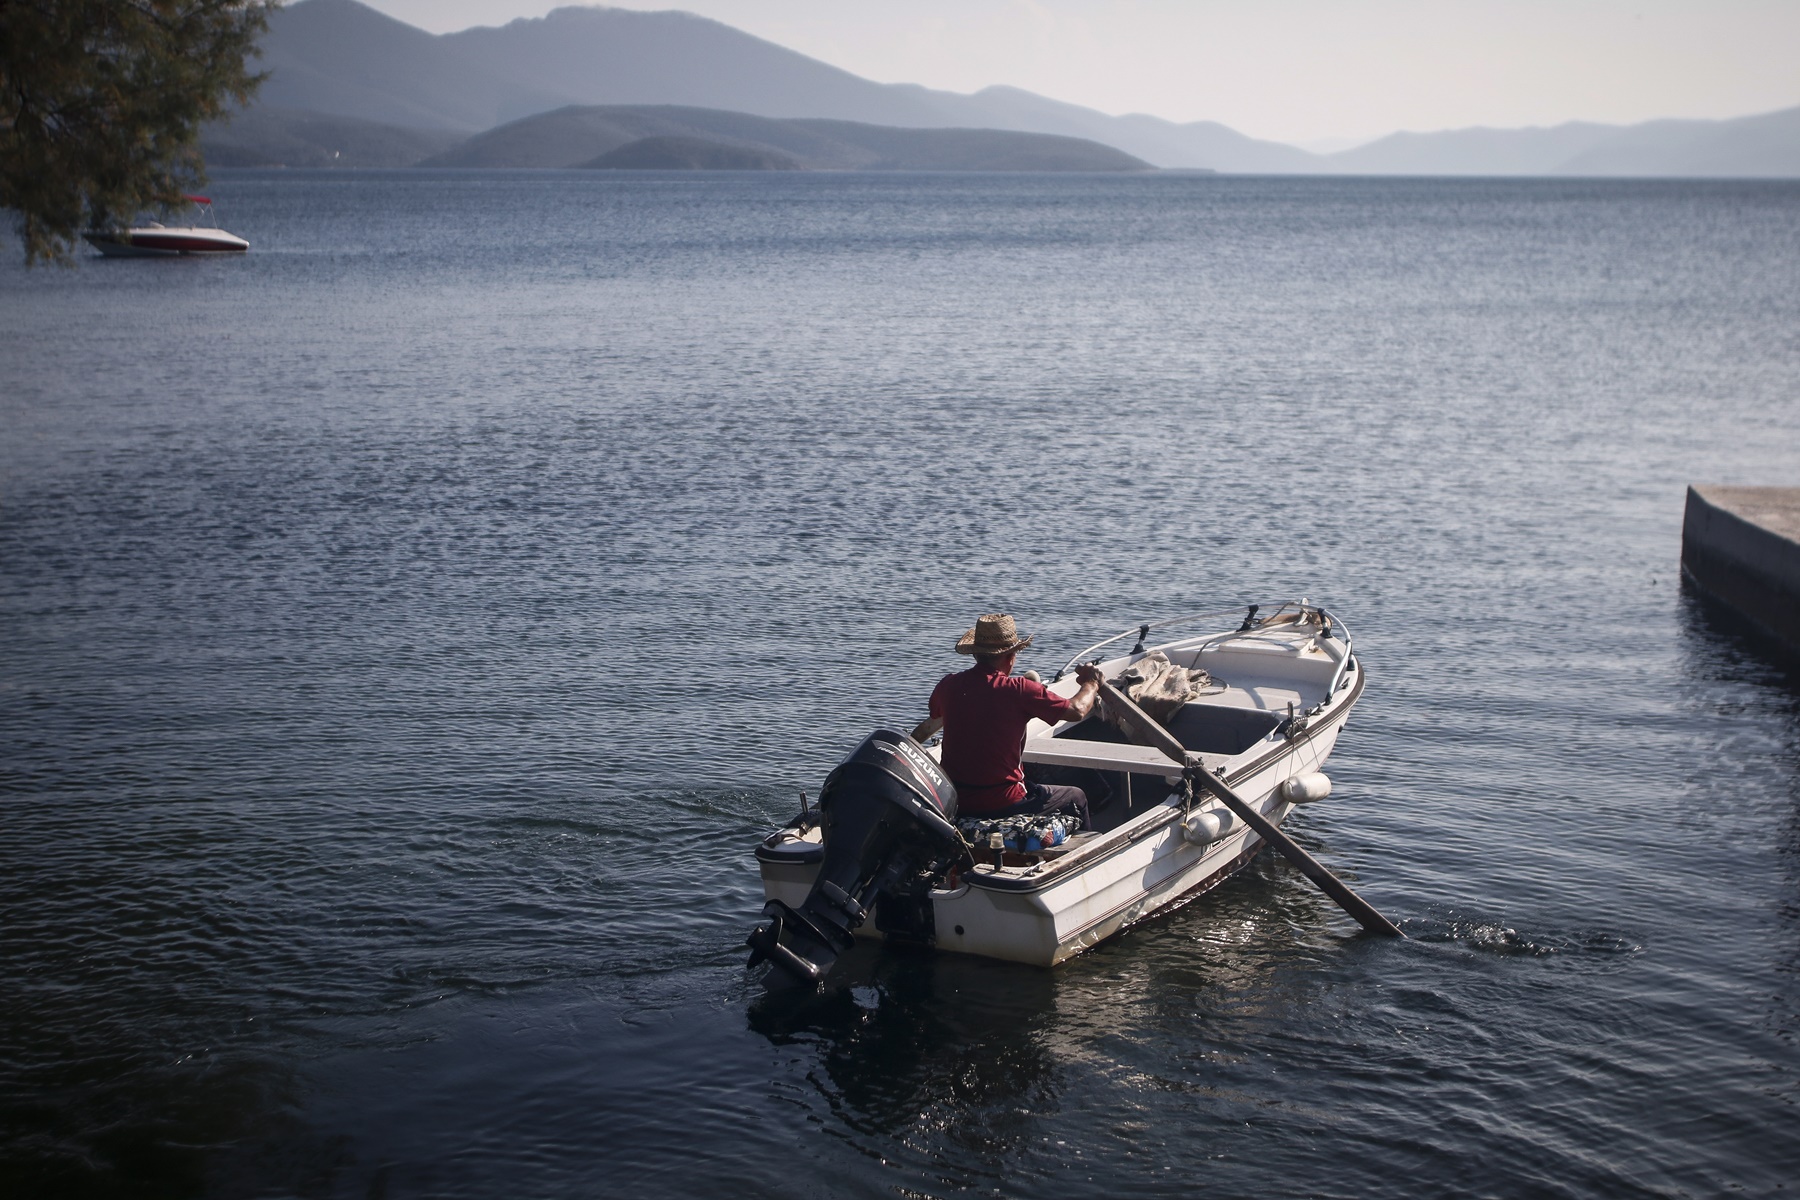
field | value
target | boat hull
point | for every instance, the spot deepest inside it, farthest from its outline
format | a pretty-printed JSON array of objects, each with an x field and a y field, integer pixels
[
  {"x": 164, "y": 243},
  {"x": 1154, "y": 868}
]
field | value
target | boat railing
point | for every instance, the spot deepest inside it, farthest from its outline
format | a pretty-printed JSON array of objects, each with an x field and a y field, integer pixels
[
  {"x": 1337, "y": 676},
  {"x": 1140, "y": 632},
  {"x": 1334, "y": 627},
  {"x": 203, "y": 206}
]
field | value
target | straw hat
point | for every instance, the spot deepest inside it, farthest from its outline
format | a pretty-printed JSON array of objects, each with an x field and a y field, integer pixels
[{"x": 993, "y": 634}]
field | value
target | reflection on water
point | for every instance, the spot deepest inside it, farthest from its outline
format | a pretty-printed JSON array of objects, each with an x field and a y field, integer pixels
[
  {"x": 1752, "y": 682},
  {"x": 967, "y": 1060},
  {"x": 1718, "y": 641},
  {"x": 911, "y": 1043}
]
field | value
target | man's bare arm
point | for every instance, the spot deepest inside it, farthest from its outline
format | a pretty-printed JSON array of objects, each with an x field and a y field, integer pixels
[{"x": 1078, "y": 706}]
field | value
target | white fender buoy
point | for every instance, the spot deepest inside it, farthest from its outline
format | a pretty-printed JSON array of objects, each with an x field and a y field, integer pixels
[
  {"x": 1209, "y": 825},
  {"x": 1304, "y": 789}
]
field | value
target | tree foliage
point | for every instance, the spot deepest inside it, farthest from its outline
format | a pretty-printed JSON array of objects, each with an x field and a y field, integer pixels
[{"x": 101, "y": 103}]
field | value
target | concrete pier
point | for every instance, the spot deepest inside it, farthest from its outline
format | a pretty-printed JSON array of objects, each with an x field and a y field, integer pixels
[{"x": 1741, "y": 545}]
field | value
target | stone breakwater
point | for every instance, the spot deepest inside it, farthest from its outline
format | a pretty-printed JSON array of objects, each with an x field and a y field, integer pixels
[{"x": 1741, "y": 545}]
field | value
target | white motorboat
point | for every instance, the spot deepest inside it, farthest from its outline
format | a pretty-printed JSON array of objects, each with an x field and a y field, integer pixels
[
  {"x": 883, "y": 856},
  {"x": 155, "y": 240}
]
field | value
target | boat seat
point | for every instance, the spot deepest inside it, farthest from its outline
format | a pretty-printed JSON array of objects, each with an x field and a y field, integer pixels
[
  {"x": 1220, "y": 729},
  {"x": 1203, "y": 728}
]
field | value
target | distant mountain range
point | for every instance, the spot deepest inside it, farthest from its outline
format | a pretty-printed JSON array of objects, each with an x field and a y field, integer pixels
[
  {"x": 353, "y": 87},
  {"x": 1766, "y": 146}
]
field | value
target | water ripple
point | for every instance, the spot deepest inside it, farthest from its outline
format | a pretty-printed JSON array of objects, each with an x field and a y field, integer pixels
[{"x": 395, "y": 681}]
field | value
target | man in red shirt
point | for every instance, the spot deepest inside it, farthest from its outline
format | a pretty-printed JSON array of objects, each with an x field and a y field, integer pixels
[{"x": 984, "y": 711}]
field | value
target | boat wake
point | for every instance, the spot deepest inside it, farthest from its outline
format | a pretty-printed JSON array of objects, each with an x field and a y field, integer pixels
[{"x": 1493, "y": 937}]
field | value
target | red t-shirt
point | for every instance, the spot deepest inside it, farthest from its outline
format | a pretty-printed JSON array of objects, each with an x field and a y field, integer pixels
[{"x": 985, "y": 714}]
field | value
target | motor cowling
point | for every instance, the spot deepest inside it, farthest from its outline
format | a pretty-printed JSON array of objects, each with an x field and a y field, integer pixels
[{"x": 889, "y": 834}]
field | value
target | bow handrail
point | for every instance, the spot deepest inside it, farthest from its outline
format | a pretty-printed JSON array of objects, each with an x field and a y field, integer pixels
[{"x": 1251, "y": 623}]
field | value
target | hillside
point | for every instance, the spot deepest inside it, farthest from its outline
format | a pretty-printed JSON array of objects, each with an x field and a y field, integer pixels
[
  {"x": 1165, "y": 143},
  {"x": 608, "y": 56},
  {"x": 896, "y": 149},
  {"x": 578, "y": 134},
  {"x": 279, "y": 137},
  {"x": 690, "y": 154},
  {"x": 346, "y": 59},
  {"x": 582, "y": 134},
  {"x": 1767, "y": 145}
]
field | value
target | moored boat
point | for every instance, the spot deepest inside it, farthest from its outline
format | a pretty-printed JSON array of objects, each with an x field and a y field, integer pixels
[
  {"x": 152, "y": 239},
  {"x": 883, "y": 854}
]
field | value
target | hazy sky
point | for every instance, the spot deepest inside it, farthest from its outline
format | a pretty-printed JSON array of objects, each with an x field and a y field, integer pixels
[{"x": 1291, "y": 70}]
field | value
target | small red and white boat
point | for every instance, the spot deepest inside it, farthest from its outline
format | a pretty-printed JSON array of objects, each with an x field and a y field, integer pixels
[{"x": 153, "y": 239}]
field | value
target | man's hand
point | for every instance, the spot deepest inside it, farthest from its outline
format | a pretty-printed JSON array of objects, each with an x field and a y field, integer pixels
[{"x": 1081, "y": 703}]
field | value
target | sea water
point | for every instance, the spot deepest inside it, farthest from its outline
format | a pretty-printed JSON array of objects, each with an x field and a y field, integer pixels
[{"x": 408, "y": 628}]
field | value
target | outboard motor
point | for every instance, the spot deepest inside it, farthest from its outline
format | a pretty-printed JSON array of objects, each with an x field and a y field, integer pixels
[{"x": 889, "y": 835}]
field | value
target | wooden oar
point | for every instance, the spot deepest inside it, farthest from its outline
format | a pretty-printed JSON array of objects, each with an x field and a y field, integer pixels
[{"x": 1151, "y": 733}]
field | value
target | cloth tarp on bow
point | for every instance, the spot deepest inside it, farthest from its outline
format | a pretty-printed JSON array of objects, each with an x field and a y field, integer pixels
[{"x": 1157, "y": 686}]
